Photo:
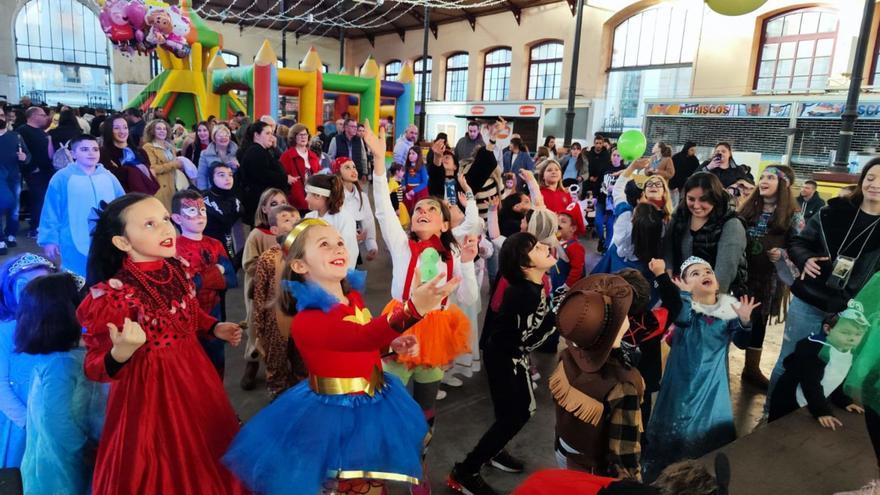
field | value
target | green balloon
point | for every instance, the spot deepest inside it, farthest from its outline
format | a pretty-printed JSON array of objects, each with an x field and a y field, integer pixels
[
  {"x": 734, "y": 7},
  {"x": 428, "y": 265},
  {"x": 632, "y": 144}
]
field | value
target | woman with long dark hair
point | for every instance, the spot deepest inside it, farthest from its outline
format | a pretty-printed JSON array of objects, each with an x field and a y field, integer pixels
[
  {"x": 259, "y": 169},
  {"x": 202, "y": 139},
  {"x": 772, "y": 219},
  {"x": 127, "y": 163},
  {"x": 703, "y": 223},
  {"x": 837, "y": 251}
]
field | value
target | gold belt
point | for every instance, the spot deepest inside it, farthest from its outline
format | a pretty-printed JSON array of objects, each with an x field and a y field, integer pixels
[{"x": 343, "y": 386}]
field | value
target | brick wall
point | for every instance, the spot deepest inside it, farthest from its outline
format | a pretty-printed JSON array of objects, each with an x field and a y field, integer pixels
[{"x": 813, "y": 141}]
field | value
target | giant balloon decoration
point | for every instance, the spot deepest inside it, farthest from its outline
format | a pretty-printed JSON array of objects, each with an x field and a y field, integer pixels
[
  {"x": 631, "y": 144},
  {"x": 137, "y": 27},
  {"x": 734, "y": 7}
]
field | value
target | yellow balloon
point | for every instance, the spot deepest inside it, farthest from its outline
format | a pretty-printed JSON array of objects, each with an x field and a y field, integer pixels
[{"x": 734, "y": 7}]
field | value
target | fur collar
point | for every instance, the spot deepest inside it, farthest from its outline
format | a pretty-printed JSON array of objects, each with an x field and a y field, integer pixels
[
  {"x": 721, "y": 310},
  {"x": 310, "y": 296}
]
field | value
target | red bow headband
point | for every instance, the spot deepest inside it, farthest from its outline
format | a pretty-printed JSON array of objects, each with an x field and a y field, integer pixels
[{"x": 336, "y": 166}]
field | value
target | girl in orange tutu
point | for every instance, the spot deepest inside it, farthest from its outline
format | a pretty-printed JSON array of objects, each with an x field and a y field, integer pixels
[{"x": 429, "y": 247}]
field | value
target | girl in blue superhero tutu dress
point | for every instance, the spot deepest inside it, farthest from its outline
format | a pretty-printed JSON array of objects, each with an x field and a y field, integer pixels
[{"x": 348, "y": 424}]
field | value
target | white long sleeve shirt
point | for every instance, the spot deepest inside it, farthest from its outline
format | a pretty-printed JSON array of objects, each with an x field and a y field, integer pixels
[
  {"x": 358, "y": 207},
  {"x": 397, "y": 241}
]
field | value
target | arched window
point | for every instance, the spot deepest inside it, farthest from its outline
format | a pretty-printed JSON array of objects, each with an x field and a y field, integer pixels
[
  {"x": 796, "y": 51},
  {"x": 62, "y": 54},
  {"x": 230, "y": 58},
  {"x": 652, "y": 56},
  {"x": 456, "y": 77},
  {"x": 392, "y": 70},
  {"x": 423, "y": 74},
  {"x": 545, "y": 70},
  {"x": 496, "y": 75}
]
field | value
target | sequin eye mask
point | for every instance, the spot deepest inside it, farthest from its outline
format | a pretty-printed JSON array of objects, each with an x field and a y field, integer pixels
[{"x": 193, "y": 208}]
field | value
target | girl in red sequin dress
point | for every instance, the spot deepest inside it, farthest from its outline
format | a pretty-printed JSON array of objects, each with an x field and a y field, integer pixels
[{"x": 168, "y": 418}]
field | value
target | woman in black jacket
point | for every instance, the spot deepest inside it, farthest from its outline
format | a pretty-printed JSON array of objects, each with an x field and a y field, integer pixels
[
  {"x": 259, "y": 169},
  {"x": 838, "y": 251},
  {"x": 686, "y": 163},
  {"x": 703, "y": 225}
]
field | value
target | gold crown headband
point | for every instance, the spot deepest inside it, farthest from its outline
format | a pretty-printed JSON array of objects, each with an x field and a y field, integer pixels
[{"x": 299, "y": 229}]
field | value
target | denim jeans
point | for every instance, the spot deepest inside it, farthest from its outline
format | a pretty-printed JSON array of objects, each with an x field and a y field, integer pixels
[
  {"x": 802, "y": 321},
  {"x": 604, "y": 224},
  {"x": 10, "y": 191}
]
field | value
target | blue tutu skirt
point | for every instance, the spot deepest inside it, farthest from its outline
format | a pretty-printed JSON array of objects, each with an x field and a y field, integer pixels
[{"x": 304, "y": 438}]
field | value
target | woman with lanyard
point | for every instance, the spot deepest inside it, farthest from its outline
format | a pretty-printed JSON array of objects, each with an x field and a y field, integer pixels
[
  {"x": 837, "y": 252},
  {"x": 299, "y": 162}
]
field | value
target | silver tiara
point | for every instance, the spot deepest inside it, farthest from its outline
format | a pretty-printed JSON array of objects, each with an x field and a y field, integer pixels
[
  {"x": 693, "y": 260},
  {"x": 29, "y": 261}
]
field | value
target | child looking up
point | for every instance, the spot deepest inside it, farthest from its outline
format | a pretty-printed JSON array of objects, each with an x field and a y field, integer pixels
[
  {"x": 259, "y": 241},
  {"x": 224, "y": 208},
  {"x": 357, "y": 205},
  {"x": 815, "y": 371},
  {"x": 325, "y": 196},
  {"x": 693, "y": 415},
  {"x": 73, "y": 193},
  {"x": 206, "y": 263},
  {"x": 348, "y": 421},
  {"x": 513, "y": 327},
  {"x": 168, "y": 418},
  {"x": 429, "y": 246},
  {"x": 271, "y": 328}
]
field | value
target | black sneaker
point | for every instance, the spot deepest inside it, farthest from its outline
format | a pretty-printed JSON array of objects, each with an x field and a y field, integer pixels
[
  {"x": 10, "y": 241},
  {"x": 506, "y": 463},
  {"x": 468, "y": 484},
  {"x": 3, "y": 249}
]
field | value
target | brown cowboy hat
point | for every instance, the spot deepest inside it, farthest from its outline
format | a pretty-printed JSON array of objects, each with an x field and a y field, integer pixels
[{"x": 590, "y": 317}]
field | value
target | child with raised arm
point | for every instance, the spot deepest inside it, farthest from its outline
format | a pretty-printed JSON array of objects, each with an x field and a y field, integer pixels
[
  {"x": 429, "y": 248},
  {"x": 693, "y": 415},
  {"x": 349, "y": 425}
]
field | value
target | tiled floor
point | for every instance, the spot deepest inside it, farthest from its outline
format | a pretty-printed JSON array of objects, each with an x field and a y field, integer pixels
[{"x": 793, "y": 457}]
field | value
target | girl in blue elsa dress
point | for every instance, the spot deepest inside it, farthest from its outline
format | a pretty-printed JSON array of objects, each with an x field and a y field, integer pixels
[
  {"x": 65, "y": 411},
  {"x": 693, "y": 414},
  {"x": 15, "y": 368}
]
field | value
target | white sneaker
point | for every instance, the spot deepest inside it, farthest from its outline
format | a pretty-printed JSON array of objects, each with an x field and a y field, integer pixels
[
  {"x": 451, "y": 380},
  {"x": 463, "y": 370},
  {"x": 441, "y": 394},
  {"x": 476, "y": 366}
]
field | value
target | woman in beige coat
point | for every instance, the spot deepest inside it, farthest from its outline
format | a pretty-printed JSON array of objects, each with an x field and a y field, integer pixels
[
  {"x": 163, "y": 160},
  {"x": 661, "y": 162}
]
